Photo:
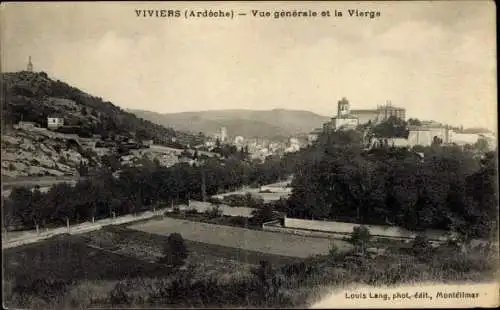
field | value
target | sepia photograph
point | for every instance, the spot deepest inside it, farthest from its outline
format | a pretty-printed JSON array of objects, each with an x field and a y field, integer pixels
[{"x": 240, "y": 154}]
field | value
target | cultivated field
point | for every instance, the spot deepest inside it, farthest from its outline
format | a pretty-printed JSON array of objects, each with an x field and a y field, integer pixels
[
  {"x": 241, "y": 238},
  {"x": 70, "y": 258}
]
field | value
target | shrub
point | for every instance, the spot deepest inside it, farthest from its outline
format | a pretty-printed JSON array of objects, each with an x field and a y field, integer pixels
[
  {"x": 175, "y": 251},
  {"x": 421, "y": 247},
  {"x": 240, "y": 221},
  {"x": 264, "y": 214},
  {"x": 191, "y": 211},
  {"x": 213, "y": 212},
  {"x": 360, "y": 236},
  {"x": 333, "y": 251},
  {"x": 117, "y": 296}
]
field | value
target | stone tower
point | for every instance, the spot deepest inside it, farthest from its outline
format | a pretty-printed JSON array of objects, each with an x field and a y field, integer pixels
[
  {"x": 343, "y": 107},
  {"x": 30, "y": 65},
  {"x": 223, "y": 134}
]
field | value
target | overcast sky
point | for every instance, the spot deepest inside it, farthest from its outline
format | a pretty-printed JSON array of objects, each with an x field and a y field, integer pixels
[{"x": 436, "y": 59}]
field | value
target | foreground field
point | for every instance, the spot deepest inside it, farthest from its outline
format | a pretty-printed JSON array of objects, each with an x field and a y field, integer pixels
[
  {"x": 241, "y": 238},
  {"x": 115, "y": 267}
]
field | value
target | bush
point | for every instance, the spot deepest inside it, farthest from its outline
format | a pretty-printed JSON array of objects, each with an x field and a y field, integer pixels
[
  {"x": 240, "y": 221},
  {"x": 334, "y": 250},
  {"x": 264, "y": 214},
  {"x": 421, "y": 247},
  {"x": 191, "y": 211},
  {"x": 175, "y": 251},
  {"x": 360, "y": 236},
  {"x": 213, "y": 212}
]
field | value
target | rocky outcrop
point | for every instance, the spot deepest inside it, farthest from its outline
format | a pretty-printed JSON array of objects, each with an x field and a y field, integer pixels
[{"x": 39, "y": 152}]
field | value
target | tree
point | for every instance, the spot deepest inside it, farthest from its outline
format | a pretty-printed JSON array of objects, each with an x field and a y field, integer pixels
[
  {"x": 421, "y": 247},
  {"x": 175, "y": 251},
  {"x": 360, "y": 236},
  {"x": 390, "y": 128},
  {"x": 213, "y": 212},
  {"x": 437, "y": 141},
  {"x": 264, "y": 214},
  {"x": 414, "y": 122},
  {"x": 481, "y": 145}
]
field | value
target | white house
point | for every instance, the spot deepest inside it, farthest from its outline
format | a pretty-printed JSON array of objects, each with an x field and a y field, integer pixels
[{"x": 55, "y": 122}]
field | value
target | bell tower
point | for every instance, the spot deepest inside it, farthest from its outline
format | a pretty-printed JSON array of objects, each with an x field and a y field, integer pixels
[{"x": 342, "y": 107}]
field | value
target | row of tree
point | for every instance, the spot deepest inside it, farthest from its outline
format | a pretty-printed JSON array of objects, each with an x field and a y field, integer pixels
[
  {"x": 136, "y": 189},
  {"x": 448, "y": 189}
]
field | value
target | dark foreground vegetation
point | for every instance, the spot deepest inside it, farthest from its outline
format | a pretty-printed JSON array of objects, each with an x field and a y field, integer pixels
[
  {"x": 65, "y": 273},
  {"x": 448, "y": 188}
]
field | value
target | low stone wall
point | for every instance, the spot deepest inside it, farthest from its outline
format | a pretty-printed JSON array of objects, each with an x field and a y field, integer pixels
[
  {"x": 347, "y": 228},
  {"x": 276, "y": 227}
]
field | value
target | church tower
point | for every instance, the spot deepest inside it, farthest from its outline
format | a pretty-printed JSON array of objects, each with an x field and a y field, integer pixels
[
  {"x": 30, "y": 65},
  {"x": 343, "y": 107}
]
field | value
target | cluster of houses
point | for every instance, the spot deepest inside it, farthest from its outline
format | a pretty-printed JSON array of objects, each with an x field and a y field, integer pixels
[{"x": 258, "y": 148}]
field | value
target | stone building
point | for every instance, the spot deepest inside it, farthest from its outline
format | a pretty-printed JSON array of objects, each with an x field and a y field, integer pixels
[
  {"x": 380, "y": 114},
  {"x": 344, "y": 119},
  {"x": 54, "y": 122}
]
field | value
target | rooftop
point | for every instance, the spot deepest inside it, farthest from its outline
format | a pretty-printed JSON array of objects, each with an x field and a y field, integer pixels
[
  {"x": 350, "y": 116},
  {"x": 364, "y": 111}
]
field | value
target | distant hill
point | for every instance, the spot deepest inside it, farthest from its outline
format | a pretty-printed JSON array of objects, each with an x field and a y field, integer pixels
[
  {"x": 270, "y": 124},
  {"x": 32, "y": 97}
]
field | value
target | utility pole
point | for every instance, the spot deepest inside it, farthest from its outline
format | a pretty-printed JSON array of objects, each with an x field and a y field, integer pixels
[{"x": 203, "y": 185}]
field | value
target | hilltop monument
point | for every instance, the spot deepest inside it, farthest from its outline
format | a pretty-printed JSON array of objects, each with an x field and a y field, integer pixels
[{"x": 30, "y": 65}]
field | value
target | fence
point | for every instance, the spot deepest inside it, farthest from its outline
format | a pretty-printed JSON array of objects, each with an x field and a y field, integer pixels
[
  {"x": 32, "y": 236},
  {"x": 276, "y": 227}
]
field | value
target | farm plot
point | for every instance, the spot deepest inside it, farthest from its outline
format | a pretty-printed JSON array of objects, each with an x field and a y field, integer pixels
[
  {"x": 241, "y": 238},
  {"x": 69, "y": 258}
]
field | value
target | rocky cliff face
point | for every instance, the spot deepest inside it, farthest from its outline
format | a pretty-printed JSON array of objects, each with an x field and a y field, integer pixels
[{"x": 39, "y": 152}]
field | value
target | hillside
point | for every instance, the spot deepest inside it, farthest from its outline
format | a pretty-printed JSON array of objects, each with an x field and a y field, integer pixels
[
  {"x": 32, "y": 97},
  {"x": 271, "y": 124},
  {"x": 36, "y": 152}
]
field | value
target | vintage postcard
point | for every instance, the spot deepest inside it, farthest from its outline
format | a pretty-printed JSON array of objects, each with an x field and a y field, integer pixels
[{"x": 249, "y": 154}]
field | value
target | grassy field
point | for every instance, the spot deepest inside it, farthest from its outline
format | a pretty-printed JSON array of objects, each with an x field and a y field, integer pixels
[
  {"x": 70, "y": 258},
  {"x": 38, "y": 274},
  {"x": 148, "y": 247},
  {"x": 241, "y": 238},
  {"x": 69, "y": 272}
]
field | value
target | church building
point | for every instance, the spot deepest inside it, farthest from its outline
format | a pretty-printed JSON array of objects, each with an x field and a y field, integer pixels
[{"x": 344, "y": 119}]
